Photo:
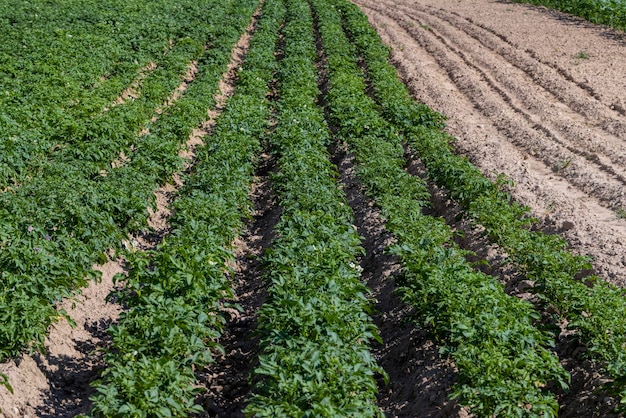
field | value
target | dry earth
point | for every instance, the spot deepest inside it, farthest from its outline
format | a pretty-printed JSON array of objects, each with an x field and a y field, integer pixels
[
  {"x": 539, "y": 96},
  {"x": 531, "y": 93}
]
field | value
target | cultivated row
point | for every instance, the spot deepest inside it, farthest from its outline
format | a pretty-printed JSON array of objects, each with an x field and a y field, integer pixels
[
  {"x": 176, "y": 295},
  {"x": 503, "y": 361},
  {"x": 81, "y": 81},
  {"x": 315, "y": 327},
  {"x": 55, "y": 228},
  {"x": 594, "y": 308}
]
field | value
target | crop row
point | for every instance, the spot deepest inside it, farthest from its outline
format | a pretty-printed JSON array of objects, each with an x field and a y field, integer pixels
[
  {"x": 594, "y": 308},
  {"x": 176, "y": 294},
  {"x": 604, "y": 12},
  {"x": 65, "y": 65},
  {"x": 315, "y": 328},
  {"x": 55, "y": 228},
  {"x": 503, "y": 361}
]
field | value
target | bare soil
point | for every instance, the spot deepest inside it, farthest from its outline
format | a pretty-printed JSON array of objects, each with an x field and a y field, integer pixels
[
  {"x": 532, "y": 93},
  {"x": 536, "y": 95},
  {"x": 227, "y": 382},
  {"x": 420, "y": 380},
  {"x": 56, "y": 383}
]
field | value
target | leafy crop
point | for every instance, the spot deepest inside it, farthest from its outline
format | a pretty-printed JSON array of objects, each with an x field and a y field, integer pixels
[
  {"x": 53, "y": 229},
  {"x": 66, "y": 64},
  {"x": 502, "y": 359},
  {"x": 594, "y": 308},
  {"x": 605, "y": 12},
  {"x": 315, "y": 328},
  {"x": 77, "y": 175},
  {"x": 177, "y": 294}
]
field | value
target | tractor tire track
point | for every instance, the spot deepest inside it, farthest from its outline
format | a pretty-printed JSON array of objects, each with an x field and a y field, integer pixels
[
  {"x": 506, "y": 112},
  {"x": 519, "y": 117}
]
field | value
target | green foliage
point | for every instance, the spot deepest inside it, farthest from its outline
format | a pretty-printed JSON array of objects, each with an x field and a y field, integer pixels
[
  {"x": 582, "y": 55},
  {"x": 56, "y": 227},
  {"x": 66, "y": 66},
  {"x": 4, "y": 381},
  {"x": 605, "y": 12},
  {"x": 177, "y": 294},
  {"x": 594, "y": 308},
  {"x": 315, "y": 327},
  {"x": 503, "y": 361}
]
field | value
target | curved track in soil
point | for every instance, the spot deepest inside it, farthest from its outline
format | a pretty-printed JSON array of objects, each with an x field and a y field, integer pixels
[{"x": 531, "y": 93}]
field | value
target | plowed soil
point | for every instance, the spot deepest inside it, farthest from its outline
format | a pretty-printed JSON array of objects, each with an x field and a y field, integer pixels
[{"x": 532, "y": 93}]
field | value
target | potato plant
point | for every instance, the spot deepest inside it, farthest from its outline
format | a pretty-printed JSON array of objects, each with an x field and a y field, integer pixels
[
  {"x": 66, "y": 67},
  {"x": 315, "y": 328},
  {"x": 504, "y": 362},
  {"x": 594, "y": 308},
  {"x": 79, "y": 167},
  {"x": 176, "y": 295},
  {"x": 56, "y": 227}
]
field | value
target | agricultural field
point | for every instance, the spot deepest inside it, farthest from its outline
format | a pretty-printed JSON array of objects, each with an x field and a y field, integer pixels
[{"x": 311, "y": 208}]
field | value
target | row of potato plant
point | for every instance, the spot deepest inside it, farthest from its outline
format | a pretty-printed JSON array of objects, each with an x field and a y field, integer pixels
[
  {"x": 54, "y": 229},
  {"x": 66, "y": 64},
  {"x": 604, "y": 12},
  {"x": 596, "y": 309},
  {"x": 315, "y": 327},
  {"x": 176, "y": 294},
  {"x": 504, "y": 362}
]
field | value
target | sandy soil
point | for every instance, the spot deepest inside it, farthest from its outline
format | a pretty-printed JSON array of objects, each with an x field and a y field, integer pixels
[
  {"x": 536, "y": 95},
  {"x": 56, "y": 383},
  {"x": 532, "y": 93}
]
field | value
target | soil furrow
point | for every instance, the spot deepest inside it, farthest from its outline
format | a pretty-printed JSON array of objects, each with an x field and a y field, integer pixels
[
  {"x": 577, "y": 95},
  {"x": 585, "y": 396},
  {"x": 588, "y": 225},
  {"x": 56, "y": 383},
  {"x": 432, "y": 85},
  {"x": 133, "y": 91},
  {"x": 531, "y": 134},
  {"x": 190, "y": 75},
  {"x": 540, "y": 104},
  {"x": 420, "y": 380},
  {"x": 227, "y": 382},
  {"x": 590, "y": 56}
]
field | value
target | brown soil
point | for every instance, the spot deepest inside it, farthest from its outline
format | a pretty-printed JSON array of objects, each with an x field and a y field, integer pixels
[
  {"x": 190, "y": 75},
  {"x": 420, "y": 381},
  {"x": 522, "y": 102},
  {"x": 56, "y": 383},
  {"x": 227, "y": 381},
  {"x": 133, "y": 91}
]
